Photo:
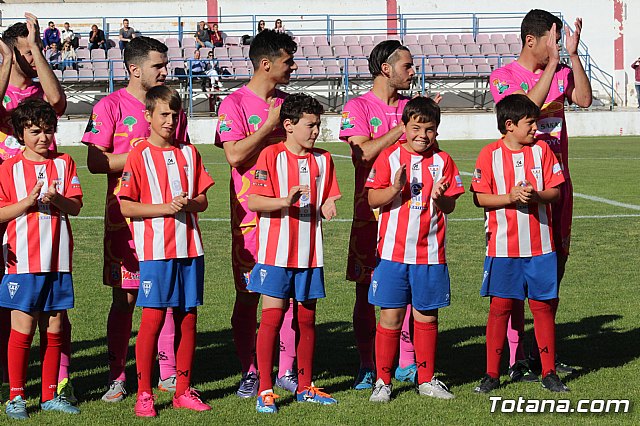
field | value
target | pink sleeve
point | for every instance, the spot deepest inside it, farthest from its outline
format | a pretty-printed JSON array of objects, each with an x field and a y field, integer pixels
[
  {"x": 101, "y": 126},
  {"x": 380, "y": 175},
  {"x": 182, "y": 133},
  {"x": 483, "y": 174},
  {"x": 452, "y": 174},
  {"x": 130, "y": 186},
  {"x": 354, "y": 121},
  {"x": 502, "y": 84},
  {"x": 551, "y": 169},
  {"x": 72, "y": 186},
  {"x": 203, "y": 180},
  {"x": 230, "y": 123},
  {"x": 262, "y": 180}
]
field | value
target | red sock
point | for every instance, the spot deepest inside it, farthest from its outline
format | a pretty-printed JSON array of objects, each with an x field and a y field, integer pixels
[
  {"x": 18, "y": 354},
  {"x": 5, "y": 331},
  {"x": 545, "y": 329},
  {"x": 499, "y": 312},
  {"x": 186, "y": 347},
  {"x": 306, "y": 344},
  {"x": 387, "y": 344},
  {"x": 267, "y": 339},
  {"x": 146, "y": 344},
  {"x": 364, "y": 326},
  {"x": 50, "y": 347},
  {"x": 425, "y": 339},
  {"x": 118, "y": 334},
  {"x": 243, "y": 325},
  {"x": 65, "y": 350}
]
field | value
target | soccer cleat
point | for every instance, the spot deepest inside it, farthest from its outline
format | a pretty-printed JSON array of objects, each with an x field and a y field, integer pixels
[
  {"x": 249, "y": 384},
  {"x": 190, "y": 399},
  {"x": 552, "y": 382},
  {"x": 59, "y": 403},
  {"x": 65, "y": 389},
  {"x": 116, "y": 392},
  {"x": 266, "y": 402},
  {"x": 381, "y": 392},
  {"x": 315, "y": 395},
  {"x": 436, "y": 389},
  {"x": 168, "y": 384},
  {"x": 487, "y": 384},
  {"x": 364, "y": 379},
  {"x": 145, "y": 405},
  {"x": 17, "y": 409},
  {"x": 563, "y": 368},
  {"x": 288, "y": 381},
  {"x": 407, "y": 374},
  {"x": 520, "y": 372}
]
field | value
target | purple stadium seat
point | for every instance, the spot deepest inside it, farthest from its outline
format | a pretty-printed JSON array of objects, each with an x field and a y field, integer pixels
[
  {"x": 189, "y": 43},
  {"x": 429, "y": 49},
  {"x": 484, "y": 69},
  {"x": 119, "y": 74},
  {"x": 435, "y": 60},
  {"x": 318, "y": 72},
  {"x": 241, "y": 73},
  {"x": 83, "y": 43},
  {"x": 325, "y": 51},
  {"x": 302, "y": 72},
  {"x": 172, "y": 42},
  {"x": 245, "y": 51},
  {"x": 488, "y": 49},
  {"x": 438, "y": 39},
  {"x": 85, "y": 75},
  {"x": 458, "y": 49},
  {"x": 329, "y": 62},
  {"x": 83, "y": 54},
  {"x": 340, "y": 51},
  {"x": 515, "y": 48},
  {"x": 508, "y": 59},
  {"x": 469, "y": 70},
  {"x": 424, "y": 39},
  {"x": 492, "y": 60},
  {"x": 360, "y": 61},
  {"x": 479, "y": 60},
  {"x": 100, "y": 65},
  {"x": 69, "y": 75},
  {"x": 98, "y": 54},
  {"x": 366, "y": 40},
  {"x": 306, "y": 41},
  {"x": 337, "y": 40},
  {"x": 321, "y": 41},
  {"x": 225, "y": 63},
  {"x": 115, "y": 54},
  {"x": 366, "y": 50},
  {"x": 351, "y": 40},
  {"x": 512, "y": 38},
  {"x": 454, "y": 70},
  {"x": 503, "y": 49},
  {"x": 355, "y": 51},
  {"x": 449, "y": 60},
  {"x": 428, "y": 70},
  {"x": 218, "y": 52},
  {"x": 415, "y": 49},
  {"x": 496, "y": 38},
  {"x": 394, "y": 37},
  {"x": 467, "y": 39},
  {"x": 235, "y": 52},
  {"x": 464, "y": 60},
  {"x": 483, "y": 38},
  {"x": 379, "y": 39},
  {"x": 174, "y": 52},
  {"x": 333, "y": 72},
  {"x": 443, "y": 49},
  {"x": 440, "y": 70},
  {"x": 363, "y": 71},
  {"x": 232, "y": 41},
  {"x": 473, "y": 49},
  {"x": 410, "y": 39},
  {"x": 310, "y": 51},
  {"x": 301, "y": 61},
  {"x": 453, "y": 39},
  {"x": 101, "y": 74}
]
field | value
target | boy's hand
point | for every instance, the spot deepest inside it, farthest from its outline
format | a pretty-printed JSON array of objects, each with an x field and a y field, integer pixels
[
  {"x": 529, "y": 195},
  {"x": 552, "y": 45},
  {"x": 400, "y": 178},
  {"x": 572, "y": 40},
  {"x": 328, "y": 209},
  {"x": 33, "y": 196},
  {"x": 51, "y": 194},
  {"x": 515, "y": 195},
  {"x": 178, "y": 203},
  {"x": 34, "y": 30},
  {"x": 295, "y": 193},
  {"x": 439, "y": 188},
  {"x": 6, "y": 52}
]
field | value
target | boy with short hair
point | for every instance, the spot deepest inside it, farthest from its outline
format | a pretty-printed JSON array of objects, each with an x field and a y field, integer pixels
[
  {"x": 164, "y": 185},
  {"x": 415, "y": 185},
  {"x": 38, "y": 189},
  {"x": 295, "y": 187},
  {"x": 516, "y": 179}
]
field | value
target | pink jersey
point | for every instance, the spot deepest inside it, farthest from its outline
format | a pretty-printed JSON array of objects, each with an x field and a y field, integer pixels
[
  {"x": 517, "y": 230},
  {"x": 155, "y": 175},
  {"x": 39, "y": 240},
  {"x": 411, "y": 229},
  {"x": 292, "y": 237},
  {"x": 368, "y": 116},
  {"x": 551, "y": 124}
]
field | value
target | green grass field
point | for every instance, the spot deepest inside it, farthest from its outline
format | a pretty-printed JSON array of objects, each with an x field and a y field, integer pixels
[{"x": 598, "y": 327}]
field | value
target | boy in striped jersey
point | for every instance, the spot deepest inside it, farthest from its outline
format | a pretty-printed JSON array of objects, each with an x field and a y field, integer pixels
[
  {"x": 294, "y": 188},
  {"x": 38, "y": 189},
  {"x": 415, "y": 185},
  {"x": 164, "y": 185},
  {"x": 516, "y": 179}
]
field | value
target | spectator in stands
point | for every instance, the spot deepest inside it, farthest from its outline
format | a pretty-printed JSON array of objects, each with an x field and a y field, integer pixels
[
  {"x": 51, "y": 35},
  {"x": 216, "y": 36},
  {"x": 68, "y": 35},
  {"x": 69, "y": 57},
  {"x": 97, "y": 39},
  {"x": 213, "y": 71},
  {"x": 203, "y": 39},
  {"x": 198, "y": 68},
  {"x": 261, "y": 26},
  {"x": 636, "y": 67},
  {"x": 279, "y": 28},
  {"x": 126, "y": 34},
  {"x": 53, "y": 56}
]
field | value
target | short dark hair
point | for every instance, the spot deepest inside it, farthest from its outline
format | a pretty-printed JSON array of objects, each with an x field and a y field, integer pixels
[
  {"x": 33, "y": 112},
  {"x": 297, "y": 104},
  {"x": 137, "y": 50},
  {"x": 51, "y": 22},
  {"x": 268, "y": 44},
  {"x": 537, "y": 22},
  {"x": 11, "y": 35},
  {"x": 421, "y": 109},
  {"x": 515, "y": 107},
  {"x": 162, "y": 94},
  {"x": 384, "y": 53}
]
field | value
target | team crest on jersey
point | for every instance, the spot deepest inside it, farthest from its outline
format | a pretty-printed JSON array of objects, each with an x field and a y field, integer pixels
[
  {"x": 75, "y": 181},
  {"x": 263, "y": 275},
  {"x": 146, "y": 287},
  {"x": 434, "y": 169},
  {"x": 458, "y": 181},
  {"x": 537, "y": 173},
  {"x": 225, "y": 125},
  {"x": 126, "y": 176},
  {"x": 372, "y": 175},
  {"x": 501, "y": 86},
  {"x": 130, "y": 121},
  {"x": 346, "y": 122},
  {"x": 13, "y": 288},
  {"x": 557, "y": 169},
  {"x": 92, "y": 125},
  {"x": 561, "y": 86},
  {"x": 374, "y": 287}
]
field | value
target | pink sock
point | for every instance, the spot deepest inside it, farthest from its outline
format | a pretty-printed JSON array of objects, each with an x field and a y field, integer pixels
[
  {"x": 166, "y": 351},
  {"x": 364, "y": 326},
  {"x": 287, "y": 343},
  {"x": 118, "y": 334},
  {"x": 515, "y": 331},
  {"x": 65, "y": 354},
  {"x": 407, "y": 353}
]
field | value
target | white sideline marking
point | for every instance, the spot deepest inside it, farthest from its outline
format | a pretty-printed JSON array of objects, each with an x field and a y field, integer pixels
[{"x": 606, "y": 201}]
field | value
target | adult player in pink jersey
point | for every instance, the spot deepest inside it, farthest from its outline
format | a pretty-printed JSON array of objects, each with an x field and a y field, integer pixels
[
  {"x": 117, "y": 124},
  {"x": 248, "y": 122},
  {"x": 539, "y": 75}
]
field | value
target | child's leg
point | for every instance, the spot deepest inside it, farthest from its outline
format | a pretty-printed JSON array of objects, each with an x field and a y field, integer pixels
[
  {"x": 364, "y": 325},
  {"x": 146, "y": 343},
  {"x": 50, "y": 348},
  {"x": 499, "y": 312},
  {"x": 243, "y": 325},
  {"x": 273, "y": 310},
  {"x": 306, "y": 342},
  {"x": 119, "y": 331},
  {"x": 5, "y": 332},
  {"x": 387, "y": 339},
  {"x": 65, "y": 354},
  {"x": 515, "y": 332},
  {"x": 545, "y": 330},
  {"x": 23, "y": 326},
  {"x": 287, "y": 342},
  {"x": 407, "y": 351},
  {"x": 425, "y": 338},
  {"x": 186, "y": 347},
  {"x": 166, "y": 348}
]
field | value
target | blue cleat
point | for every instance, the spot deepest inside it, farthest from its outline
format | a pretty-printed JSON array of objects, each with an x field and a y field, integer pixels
[
  {"x": 249, "y": 384},
  {"x": 315, "y": 395},
  {"x": 17, "y": 409},
  {"x": 364, "y": 380},
  {"x": 59, "y": 403},
  {"x": 266, "y": 402},
  {"x": 407, "y": 374},
  {"x": 288, "y": 381}
]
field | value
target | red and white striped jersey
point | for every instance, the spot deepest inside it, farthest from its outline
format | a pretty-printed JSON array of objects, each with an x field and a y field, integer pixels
[
  {"x": 411, "y": 229},
  {"x": 292, "y": 237},
  {"x": 517, "y": 230},
  {"x": 39, "y": 240},
  {"x": 154, "y": 175}
]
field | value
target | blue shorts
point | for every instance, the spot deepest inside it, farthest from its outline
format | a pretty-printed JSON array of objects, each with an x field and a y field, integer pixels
[
  {"x": 171, "y": 283},
  {"x": 395, "y": 285},
  {"x": 45, "y": 292},
  {"x": 519, "y": 277},
  {"x": 301, "y": 284}
]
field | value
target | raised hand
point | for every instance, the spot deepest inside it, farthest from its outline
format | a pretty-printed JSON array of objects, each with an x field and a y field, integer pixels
[
  {"x": 295, "y": 193},
  {"x": 51, "y": 194},
  {"x": 273, "y": 117},
  {"x": 552, "y": 45},
  {"x": 6, "y": 52},
  {"x": 34, "y": 30},
  {"x": 572, "y": 39},
  {"x": 400, "y": 178},
  {"x": 439, "y": 188}
]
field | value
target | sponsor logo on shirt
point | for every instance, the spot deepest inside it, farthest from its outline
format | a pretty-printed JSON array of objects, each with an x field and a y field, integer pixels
[
  {"x": 130, "y": 121},
  {"x": 92, "y": 125},
  {"x": 524, "y": 86},
  {"x": 376, "y": 123},
  {"x": 477, "y": 175},
  {"x": 170, "y": 161},
  {"x": 224, "y": 124},
  {"x": 346, "y": 122},
  {"x": 6, "y": 100},
  {"x": 458, "y": 181},
  {"x": 501, "y": 86},
  {"x": 75, "y": 180},
  {"x": 416, "y": 189},
  {"x": 372, "y": 176},
  {"x": 261, "y": 175},
  {"x": 254, "y": 120},
  {"x": 126, "y": 176},
  {"x": 561, "y": 86},
  {"x": 13, "y": 288},
  {"x": 146, "y": 287},
  {"x": 557, "y": 169}
]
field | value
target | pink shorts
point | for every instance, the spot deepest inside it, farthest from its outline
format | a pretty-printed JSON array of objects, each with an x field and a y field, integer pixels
[
  {"x": 363, "y": 243},
  {"x": 562, "y": 213},
  {"x": 243, "y": 250}
]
